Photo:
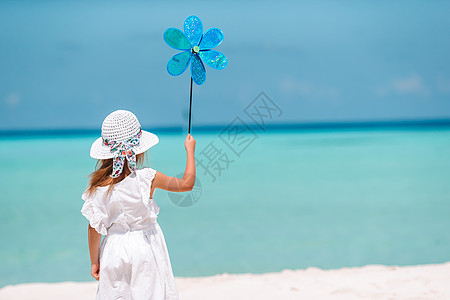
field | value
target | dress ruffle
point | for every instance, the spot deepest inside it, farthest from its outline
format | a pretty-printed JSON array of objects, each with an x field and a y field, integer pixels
[
  {"x": 93, "y": 214},
  {"x": 95, "y": 208},
  {"x": 146, "y": 176}
]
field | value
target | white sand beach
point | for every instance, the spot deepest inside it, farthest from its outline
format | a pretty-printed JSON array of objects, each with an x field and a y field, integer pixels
[{"x": 369, "y": 282}]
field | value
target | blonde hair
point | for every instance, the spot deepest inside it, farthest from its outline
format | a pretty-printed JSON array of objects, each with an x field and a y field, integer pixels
[{"x": 103, "y": 170}]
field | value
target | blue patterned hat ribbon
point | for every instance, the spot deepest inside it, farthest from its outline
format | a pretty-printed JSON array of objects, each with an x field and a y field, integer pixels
[{"x": 123, "y": 150}]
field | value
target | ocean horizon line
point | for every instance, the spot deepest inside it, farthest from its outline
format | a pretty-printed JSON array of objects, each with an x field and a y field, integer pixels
[{"x": 210, "y": 128}]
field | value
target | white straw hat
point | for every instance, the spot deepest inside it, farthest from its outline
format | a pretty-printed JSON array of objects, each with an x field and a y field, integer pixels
[{"x": 120, "y": 126}]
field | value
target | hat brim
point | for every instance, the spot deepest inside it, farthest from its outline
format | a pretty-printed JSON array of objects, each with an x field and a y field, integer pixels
[{"x": 100, "y": 151}]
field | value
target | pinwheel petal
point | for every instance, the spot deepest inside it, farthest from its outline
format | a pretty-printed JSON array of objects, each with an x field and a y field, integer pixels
[
  {"x": 198, "y": 72},
  {"x": 179, "y": 63},
  {"x": 175, "y": 38},
  {"x": 214, "y": 59},
  {"x": 193, "y": 28},
  {"x": 212, "y": 38}
]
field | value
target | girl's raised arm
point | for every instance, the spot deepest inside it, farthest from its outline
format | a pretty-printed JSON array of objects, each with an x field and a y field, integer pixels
[{"x": 174, "y": 184}]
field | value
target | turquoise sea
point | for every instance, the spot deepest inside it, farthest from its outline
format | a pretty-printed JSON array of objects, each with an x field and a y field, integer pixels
[{"x": 291, "y": 199}]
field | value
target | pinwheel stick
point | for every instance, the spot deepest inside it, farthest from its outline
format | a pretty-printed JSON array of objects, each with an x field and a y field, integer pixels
[{"x": 190, "y": 108}]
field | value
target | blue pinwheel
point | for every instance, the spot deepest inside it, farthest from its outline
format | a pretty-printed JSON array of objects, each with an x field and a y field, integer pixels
[{"x": 196, "y": 46}]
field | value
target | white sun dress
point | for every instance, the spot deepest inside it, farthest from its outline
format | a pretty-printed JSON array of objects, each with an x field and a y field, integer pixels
[{"x": 134, "y": 261}]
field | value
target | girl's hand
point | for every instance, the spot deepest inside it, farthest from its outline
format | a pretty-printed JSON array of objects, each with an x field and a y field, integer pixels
[
  {"x": 95, "y": 271},
  {"x": 189, "y": 144}
]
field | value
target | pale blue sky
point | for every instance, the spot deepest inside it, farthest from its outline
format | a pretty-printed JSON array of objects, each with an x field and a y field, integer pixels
[{"x": 67, "y": 64}]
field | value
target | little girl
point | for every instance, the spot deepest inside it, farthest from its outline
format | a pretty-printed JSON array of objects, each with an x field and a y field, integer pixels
[{"x": 132, "y": 261}]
